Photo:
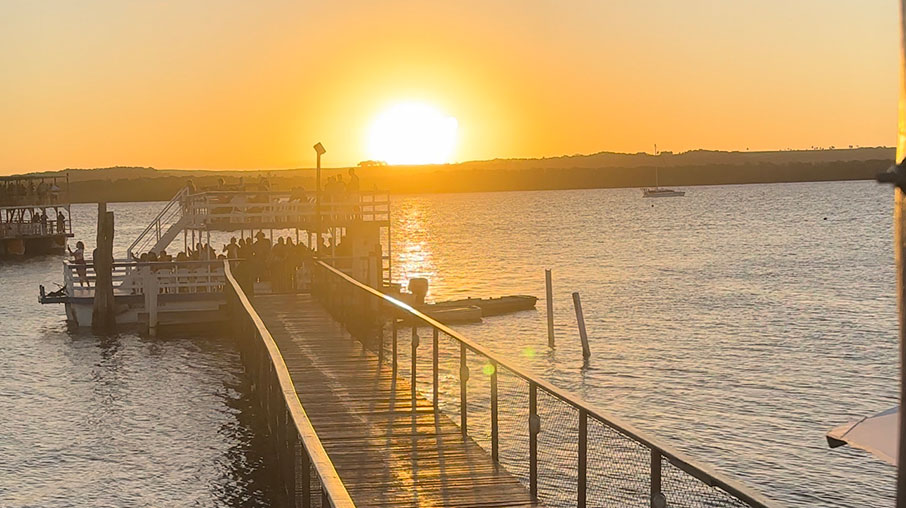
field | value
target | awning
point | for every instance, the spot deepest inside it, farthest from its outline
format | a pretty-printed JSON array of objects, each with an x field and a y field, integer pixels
[{"x": 876, "y": 434}]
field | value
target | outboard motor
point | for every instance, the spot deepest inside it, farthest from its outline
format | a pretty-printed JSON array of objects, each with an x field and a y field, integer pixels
[{"x": 418, "y": 286}]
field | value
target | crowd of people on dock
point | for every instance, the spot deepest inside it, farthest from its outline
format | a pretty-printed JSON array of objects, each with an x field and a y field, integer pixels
[
  {"x": 32, "y": 221},
  {"x": 253, "y": 203},
  {"x": 24, "y": 191},
  {"x": 256, "y": 259}
]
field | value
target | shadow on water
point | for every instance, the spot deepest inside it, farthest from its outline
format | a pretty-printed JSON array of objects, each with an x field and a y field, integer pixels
[
  {"x": 249, "y": 462},
  {"x": 205, "y": 371}
]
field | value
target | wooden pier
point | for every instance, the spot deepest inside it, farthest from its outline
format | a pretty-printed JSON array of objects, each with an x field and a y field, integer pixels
[
  {"x": 348, "y": 429},
  {"x": 386, "y": 454}
]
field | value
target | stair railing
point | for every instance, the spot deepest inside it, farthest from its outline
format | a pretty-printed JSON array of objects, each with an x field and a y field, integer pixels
[{"x": 169, "y": 215}]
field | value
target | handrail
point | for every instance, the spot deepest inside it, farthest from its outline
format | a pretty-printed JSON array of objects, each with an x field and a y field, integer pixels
[
  {"x": 330, "y": 480},
  {"x": 157, "y": 220},
  {"x": 679, "y": 459}
]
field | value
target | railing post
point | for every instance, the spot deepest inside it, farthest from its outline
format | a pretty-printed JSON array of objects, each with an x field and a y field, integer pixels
[
  {"x": 434, "y": 358},
  {"x": 583, "y": 456},
  {"x": 658, "y": 500},
  {"x": 463, "y": 381},
  {"x": 534, "y": 428},
  {"x": 305, "y": 474},
  {"x": 414, "y": 364},
  {"x": 393, "y": 346},
  {"x": 291, "y": 439},
  {"x": 494, "y": 431}
]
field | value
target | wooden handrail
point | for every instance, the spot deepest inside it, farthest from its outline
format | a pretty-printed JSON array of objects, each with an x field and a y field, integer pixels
[
  {"x": 677, "y": 458},
  {"x": 330, "y": 479}
]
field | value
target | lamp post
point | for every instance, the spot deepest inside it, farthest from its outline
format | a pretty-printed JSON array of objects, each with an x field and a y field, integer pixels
[{"x": 319, "y": 149}]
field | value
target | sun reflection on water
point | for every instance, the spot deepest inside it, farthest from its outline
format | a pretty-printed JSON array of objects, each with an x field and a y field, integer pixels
[{"x": 413, "y": 257}]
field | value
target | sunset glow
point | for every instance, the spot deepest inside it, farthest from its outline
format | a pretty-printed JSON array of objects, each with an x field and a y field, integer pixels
[
  {"x": 412, "y": 133},
  {"x": 160, "y": 84}
]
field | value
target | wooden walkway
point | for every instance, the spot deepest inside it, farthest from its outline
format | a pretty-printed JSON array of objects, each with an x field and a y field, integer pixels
[{"x": 385, "y": 454}]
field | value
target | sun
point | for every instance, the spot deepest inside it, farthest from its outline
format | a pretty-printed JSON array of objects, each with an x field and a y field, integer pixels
[{"x": 412, "y": 133}]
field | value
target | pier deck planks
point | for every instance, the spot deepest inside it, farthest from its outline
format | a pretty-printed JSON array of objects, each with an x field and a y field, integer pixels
[{"x": 385, "y": 454}]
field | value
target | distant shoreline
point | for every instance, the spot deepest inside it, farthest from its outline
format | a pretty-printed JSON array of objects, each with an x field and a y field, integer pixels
[{"x": 598, "y": 171}]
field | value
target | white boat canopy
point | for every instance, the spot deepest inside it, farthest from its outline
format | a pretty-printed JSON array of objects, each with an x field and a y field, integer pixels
[{"x": 876, "y": 434}]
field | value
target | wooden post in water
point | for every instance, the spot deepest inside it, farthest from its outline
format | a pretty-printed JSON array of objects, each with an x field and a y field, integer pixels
[
  {"x": 103, "y": 313},
  {"x": 580, "y": 319},
  {"x": 549, "y": 299}
]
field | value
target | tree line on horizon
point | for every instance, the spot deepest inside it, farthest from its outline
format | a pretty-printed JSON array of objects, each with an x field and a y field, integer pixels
[{"x": 414, "y": 180}]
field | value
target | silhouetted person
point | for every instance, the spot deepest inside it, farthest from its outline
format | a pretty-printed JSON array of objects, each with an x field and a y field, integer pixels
[
  {"x": 353, "y": 185},
  {"x": 78, "y": 258}
]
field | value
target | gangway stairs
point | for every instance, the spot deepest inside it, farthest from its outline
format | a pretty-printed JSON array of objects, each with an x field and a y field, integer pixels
[
  {"x": 171, "y": 221},
  {"x": 254, "y": 210}
]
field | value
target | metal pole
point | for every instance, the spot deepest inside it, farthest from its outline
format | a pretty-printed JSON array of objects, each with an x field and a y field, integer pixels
[
  {"x": 583, "y": 457},
  {"x": 434, "y": 366},
  {"x": 305, "y": 477},
  {"x": 393, "y": 346},
  {"x": 534, "y": 428},
  {"x": 414, "y": 364},
  {"x": 318, "y": 204},
  {"x": 463, "y": 380},
  {"x": 580, "y": 319},
  {"x": 899, "y": 221},
  {"x": 658, "y": 500},
  {"x": 495, "y": 437},
  {"x": 549, "y": 292}
]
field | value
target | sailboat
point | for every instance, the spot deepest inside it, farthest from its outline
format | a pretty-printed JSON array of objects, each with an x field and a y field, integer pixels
[{"x": 657, "y": 191}]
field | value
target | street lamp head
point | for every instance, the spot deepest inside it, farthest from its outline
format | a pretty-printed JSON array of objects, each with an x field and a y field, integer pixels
[{"x": 319, "y": 148}]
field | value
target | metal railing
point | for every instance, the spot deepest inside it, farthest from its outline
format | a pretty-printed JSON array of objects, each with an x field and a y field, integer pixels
[
  {"x": 304, "y": 467},
  {"x": 566, "y": 451},
  {"x": 167, "y": 217}
]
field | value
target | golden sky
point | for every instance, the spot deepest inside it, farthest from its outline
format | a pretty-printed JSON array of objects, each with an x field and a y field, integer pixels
[{"x": 239, "y": 84}]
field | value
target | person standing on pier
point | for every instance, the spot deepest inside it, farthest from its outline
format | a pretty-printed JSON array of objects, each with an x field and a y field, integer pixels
[
  {"x": 78, "y": 258},
  {"x": 61, "y": 222}
]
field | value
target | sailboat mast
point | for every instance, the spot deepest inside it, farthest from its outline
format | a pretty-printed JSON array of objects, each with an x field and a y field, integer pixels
[{"x": 657, "y": 177}]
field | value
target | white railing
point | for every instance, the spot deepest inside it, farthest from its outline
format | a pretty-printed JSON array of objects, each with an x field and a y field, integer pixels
[
  {"x": 136, "y": 278},
  {"x": 216, "y": 210}
]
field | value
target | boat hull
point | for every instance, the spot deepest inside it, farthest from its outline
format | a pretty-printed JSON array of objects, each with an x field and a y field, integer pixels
[
  {"x": 651, "y": 193},
  {"x": 493, "y": 306}
]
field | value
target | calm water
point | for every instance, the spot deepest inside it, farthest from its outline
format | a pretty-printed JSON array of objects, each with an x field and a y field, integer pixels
[
  {"x": 736, "y": 323},
  {"x": 123, "y": 420}
]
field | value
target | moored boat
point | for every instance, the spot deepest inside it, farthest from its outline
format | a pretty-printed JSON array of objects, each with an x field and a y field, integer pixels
[
  {"x": 493, "y": 306},
  {"x": 453, "y": 314},
  {"x": 657, "y": 192}
]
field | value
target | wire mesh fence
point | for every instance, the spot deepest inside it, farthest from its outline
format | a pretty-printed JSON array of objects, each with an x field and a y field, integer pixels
[{"x": 561, "y": 449}]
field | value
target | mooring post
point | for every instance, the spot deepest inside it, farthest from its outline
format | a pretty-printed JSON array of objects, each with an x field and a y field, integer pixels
[
  {"x": 549, "y": 297},
  {"x": 580, "y": 319},
  {"x": 103, "y": 315}
]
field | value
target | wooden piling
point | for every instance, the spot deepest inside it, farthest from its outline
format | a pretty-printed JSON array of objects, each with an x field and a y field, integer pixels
[
  {"x": 103, "y": 313},
  {"x": 580, "y": 319},
  {"x": 549, "y": 298}
]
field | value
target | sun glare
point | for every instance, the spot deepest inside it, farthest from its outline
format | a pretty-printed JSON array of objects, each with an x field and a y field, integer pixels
[{"x": 412, "y": 133}]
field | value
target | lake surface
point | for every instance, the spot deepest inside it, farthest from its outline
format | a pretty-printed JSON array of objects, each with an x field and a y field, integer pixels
[{"x": 738, "y": 324}]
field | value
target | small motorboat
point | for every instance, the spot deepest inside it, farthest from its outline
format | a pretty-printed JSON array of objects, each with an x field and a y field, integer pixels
[
  {"x": 492, "y": 306},
  {"x": 450, "y": 315},
  {"x": 657, "y": 192}
]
